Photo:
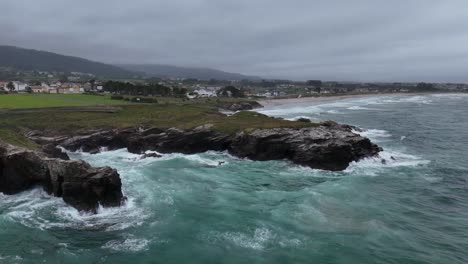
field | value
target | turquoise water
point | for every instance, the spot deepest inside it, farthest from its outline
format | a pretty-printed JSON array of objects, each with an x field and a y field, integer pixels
[{"x": 184, "y": 209}]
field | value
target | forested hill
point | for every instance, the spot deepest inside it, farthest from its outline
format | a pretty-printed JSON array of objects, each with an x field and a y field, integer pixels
[
  {"x": 28, "y": 59},
  {"x": 168, "y": 71}
]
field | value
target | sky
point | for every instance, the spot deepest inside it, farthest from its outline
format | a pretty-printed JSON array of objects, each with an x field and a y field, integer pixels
[{"x": 342, "y": 40}]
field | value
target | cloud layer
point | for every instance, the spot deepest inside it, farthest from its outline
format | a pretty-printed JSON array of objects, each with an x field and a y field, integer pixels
[{"x": 368, "y": 40}]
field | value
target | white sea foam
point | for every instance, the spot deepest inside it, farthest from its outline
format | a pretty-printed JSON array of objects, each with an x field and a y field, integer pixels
[
  {"x": 296, "y": 110},
  {"x": 111, "y": 219},
  {"x": 357, "y": 107},
  {"x": 376, "y": 135},
  {"x": 257, "y": 241},
  {"x": 35, "y": 209},
  {"x": 127, "y": 245},
  {"x": 301, "y": 116},
  {"x": 386, "y": 159}
]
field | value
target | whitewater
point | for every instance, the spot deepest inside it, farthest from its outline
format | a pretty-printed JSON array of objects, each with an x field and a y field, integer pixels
[{"x": 190, "y": 209}]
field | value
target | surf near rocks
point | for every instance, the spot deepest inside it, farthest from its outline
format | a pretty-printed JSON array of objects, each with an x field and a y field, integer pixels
[
  {"x": 327, "y": 146},
  {"x": 79, "y": 184}
]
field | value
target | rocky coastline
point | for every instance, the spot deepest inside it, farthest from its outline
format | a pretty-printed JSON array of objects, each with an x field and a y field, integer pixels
[
  {"x": 80, "y": 185},
  {"x": 327, "y": 146}
]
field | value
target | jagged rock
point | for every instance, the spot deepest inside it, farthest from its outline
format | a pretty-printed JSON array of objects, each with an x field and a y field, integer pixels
[
  {"x": 198, "y": 140},
  {"x": 52, "y": 151},
  {"x": 243, "y": 106},
  {"x": 317, "y": 147},
  {"x": 150, "y": 155},
  {"x": 328, "y": 146},
  {"x": 302, "y": 119},
  {"x": 79, "y": 184}
]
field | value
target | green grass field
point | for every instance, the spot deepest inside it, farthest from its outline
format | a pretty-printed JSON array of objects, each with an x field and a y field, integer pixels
[{"x": 21, "y": 101}]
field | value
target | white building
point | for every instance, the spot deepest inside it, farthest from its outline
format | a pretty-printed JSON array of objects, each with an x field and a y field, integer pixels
[
  {"x": 19, "y": 86},
  {"x": 205, "y": 93}
]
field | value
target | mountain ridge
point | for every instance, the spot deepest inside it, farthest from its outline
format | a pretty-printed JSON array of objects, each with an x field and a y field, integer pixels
[
  {"x": 31, "y": 59},
  {"x": 172, "y": 71}
]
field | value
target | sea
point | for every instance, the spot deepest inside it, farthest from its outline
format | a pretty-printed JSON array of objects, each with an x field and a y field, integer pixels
[{"x": 413, "y": 208}]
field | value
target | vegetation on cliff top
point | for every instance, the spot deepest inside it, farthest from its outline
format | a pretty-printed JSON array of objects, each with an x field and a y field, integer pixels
[{"x": 168, "y": 112}]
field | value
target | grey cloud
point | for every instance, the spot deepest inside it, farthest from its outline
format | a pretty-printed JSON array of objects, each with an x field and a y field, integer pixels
[{"x": 378, "y": 40}]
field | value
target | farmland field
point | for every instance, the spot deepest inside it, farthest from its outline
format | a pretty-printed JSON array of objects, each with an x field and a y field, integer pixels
[{"x": 20, "y": 101}]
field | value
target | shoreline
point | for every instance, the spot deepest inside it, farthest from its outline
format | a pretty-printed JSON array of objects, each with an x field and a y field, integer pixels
[{"x": 324, "y": 99}]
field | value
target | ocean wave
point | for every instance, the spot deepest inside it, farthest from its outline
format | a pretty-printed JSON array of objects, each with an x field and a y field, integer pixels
[
  {"x": 301, "y": 116},
  {"x": 458, "y": 96},
  {"x": 336, "y": 107},
  {"x": 333, "y": 112},
  {"x": 37, "y": 209},
  {"x": 127, "y": 245},
  {"x": 257, "y": 241},
  {"x": 418, "y": 99},
  {"x": 287, "y": 111},
  {"x": 386, "y": 159},
  {"x": 374, "y": 134},
  {"x": 196, "y": 158},
  {"x": 109, "y": 219},
  {"x": 357, "y": 107}
]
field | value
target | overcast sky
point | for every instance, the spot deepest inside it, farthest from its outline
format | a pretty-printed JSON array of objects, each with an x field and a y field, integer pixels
[{"x": 368, "y": 40}]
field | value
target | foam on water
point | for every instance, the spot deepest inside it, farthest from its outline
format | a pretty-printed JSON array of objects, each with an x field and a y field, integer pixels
[
  {"x": 386, "y": 159},
  {"x": 127, "y": 245},
  {"x": 257, "y": 241},
  {"x": 374, "y": 134},
  {"x": 37, "y": 209},
  {"x": 357, "y": 107},
  {"x": 339, "y": 107},
  {"x": 312, "y": 118}
]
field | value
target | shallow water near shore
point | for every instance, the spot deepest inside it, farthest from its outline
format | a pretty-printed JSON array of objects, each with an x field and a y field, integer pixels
[{"x": 187, "y": 209}]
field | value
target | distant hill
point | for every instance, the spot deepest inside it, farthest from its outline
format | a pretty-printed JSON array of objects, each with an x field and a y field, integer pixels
[
  {"x": 167, "y": 71},
  {"x": 28, "y": 59}
]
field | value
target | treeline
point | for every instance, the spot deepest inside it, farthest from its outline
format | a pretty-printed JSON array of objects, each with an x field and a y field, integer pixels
[
  {"x": 152, "y": 89},
  {"x": 231, "y": 91}
]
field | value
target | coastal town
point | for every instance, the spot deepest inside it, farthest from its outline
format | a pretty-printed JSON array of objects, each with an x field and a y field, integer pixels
[{"x": 193, "y": 88}]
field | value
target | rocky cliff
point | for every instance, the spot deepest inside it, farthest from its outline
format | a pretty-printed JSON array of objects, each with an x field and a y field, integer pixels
[
  {"x": 327, "y": 146},
  {"x": 79, "y": 184}
]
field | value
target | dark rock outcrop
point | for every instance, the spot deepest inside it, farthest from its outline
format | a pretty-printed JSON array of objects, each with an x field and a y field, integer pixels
[
  {"x": 52, "y": 151},
  {"x": 242, "y": 106},
  {"x": 328, "y": 146},
  {"x": 150, "y": 155},
  {"x": 303, "y": 119},
  {"x": 79, "y": 184},
  {"x": 317, "y": 147}
]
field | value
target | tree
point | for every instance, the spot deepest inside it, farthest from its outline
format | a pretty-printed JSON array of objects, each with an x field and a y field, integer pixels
[
  {"x": 425, "y": 86},
  {"x": 93, "y": 84},
  {"x": 179, "y": 92},
  {"x": 29, "y": 89},
  {"x": 230, "y": 91},
  {"x": 317, "y": 84},
  {"x": 11, "y": 86}
]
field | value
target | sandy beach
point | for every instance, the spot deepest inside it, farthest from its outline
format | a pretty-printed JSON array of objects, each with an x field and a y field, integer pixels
[{"x": 324, "y": 99}]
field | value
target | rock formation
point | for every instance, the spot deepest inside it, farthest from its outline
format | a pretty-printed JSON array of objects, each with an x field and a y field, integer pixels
[
  {"x": 79, "y": 184},
  {"x": 327, "y": 146},
  {"x": 242, "y": 106}
]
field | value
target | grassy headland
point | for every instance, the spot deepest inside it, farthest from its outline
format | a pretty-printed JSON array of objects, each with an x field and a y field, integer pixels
[{"x": 72, "y": 114}]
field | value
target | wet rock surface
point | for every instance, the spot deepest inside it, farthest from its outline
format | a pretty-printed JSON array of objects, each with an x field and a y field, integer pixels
[
  {"x": 79, "y": 184},
  {"x": 327, "y": 146},
  {"x": 242, "y": 106}
]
